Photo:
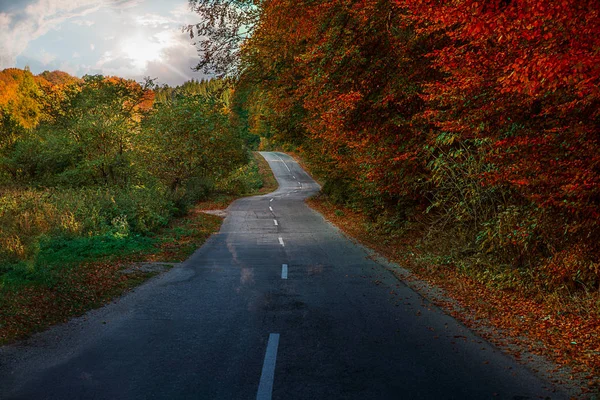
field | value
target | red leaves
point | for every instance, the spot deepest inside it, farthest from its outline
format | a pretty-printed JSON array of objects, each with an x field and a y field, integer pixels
[
  {"x": 542, "y": 42},
  {"x": 527, "y": 55},
  {"x": 522, "y": 322},
  {"x": 466, "y": 108}
]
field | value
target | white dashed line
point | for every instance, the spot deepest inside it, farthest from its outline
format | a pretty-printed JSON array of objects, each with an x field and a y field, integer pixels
[
  {"x": 265, "y": 387},
  {"x": 271, "y": 208},
  {"x": 281, "y": 242},
  {"x": 284, "y": 271},
  {"x": 275, "y": 222},
  {"x": 270, "y": 200}
]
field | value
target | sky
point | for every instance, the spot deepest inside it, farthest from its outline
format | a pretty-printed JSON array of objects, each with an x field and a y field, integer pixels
[{"x": 127, "y": 38}]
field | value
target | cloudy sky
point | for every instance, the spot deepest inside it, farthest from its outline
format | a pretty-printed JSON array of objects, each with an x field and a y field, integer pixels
[{"x": 127, "y": 38}]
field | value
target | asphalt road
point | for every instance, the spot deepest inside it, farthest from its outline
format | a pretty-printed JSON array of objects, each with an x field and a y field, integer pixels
[{"x": 233, "y": 322}]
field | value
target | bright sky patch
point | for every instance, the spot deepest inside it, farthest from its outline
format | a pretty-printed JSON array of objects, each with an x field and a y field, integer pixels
[{"x": 128, "y": 38}]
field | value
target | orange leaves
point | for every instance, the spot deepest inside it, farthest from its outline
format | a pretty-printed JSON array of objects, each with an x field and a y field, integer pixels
[
  {"x": 521, "y": 322},
  {"x": 371, "y": 86}
]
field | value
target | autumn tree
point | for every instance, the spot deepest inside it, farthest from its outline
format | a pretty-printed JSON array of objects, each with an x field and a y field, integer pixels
[
  {"x": 481, "y": 117},
  {"x": 19, "y": 94},
  {"x": 89, "y": 138}
]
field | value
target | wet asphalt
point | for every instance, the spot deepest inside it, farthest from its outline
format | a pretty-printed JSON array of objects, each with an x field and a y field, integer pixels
[{"x": 227, "y": 325}]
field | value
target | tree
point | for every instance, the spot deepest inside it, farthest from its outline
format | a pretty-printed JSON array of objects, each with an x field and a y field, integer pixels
[
  {"x": 189, "y": 139},
  {"x": 88, "y": 140},
  {"x": 10, "y": 132},
  {"x": 20, "y": 94},
  {"x": 475, "y": 112},
  {"x": 224, "y": 26}
]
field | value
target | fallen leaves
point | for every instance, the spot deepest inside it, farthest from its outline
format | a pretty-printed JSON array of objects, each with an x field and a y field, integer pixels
[
  {"x": 567, "y": 332},
  {"x": 31, "y": 309}
]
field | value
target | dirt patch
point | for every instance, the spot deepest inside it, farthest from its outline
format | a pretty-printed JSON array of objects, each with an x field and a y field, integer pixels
[
  {"x": 149, "y": 267},
  {"x": 218, "y": 213}
]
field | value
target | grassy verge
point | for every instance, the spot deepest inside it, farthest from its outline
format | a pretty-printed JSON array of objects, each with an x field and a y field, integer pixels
[
  {"x": 76, "y": 274},
  {"x": 269, "y": 183},
  {"x": 519, "y": 320}
]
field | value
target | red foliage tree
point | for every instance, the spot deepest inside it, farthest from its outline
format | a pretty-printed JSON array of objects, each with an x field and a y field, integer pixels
[{"x": 485, "y": 111}]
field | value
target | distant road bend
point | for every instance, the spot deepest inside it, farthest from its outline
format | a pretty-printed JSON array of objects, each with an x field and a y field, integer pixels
[{"x": 277, "y": 305}]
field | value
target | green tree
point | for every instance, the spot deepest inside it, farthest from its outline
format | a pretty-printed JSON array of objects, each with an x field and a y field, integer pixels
[
  {"x": 10, "y": 132},
  {"x": 88, "y": 141},
  {"x": 102, "y": 120},
  {"x": 188, "y": 143}
]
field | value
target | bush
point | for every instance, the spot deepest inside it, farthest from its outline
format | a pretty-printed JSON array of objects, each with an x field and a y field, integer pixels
[
  {"x": 242, "y": 180},
  {"x": 29, "y": 216},
  {"x": 196, "y": 189}
]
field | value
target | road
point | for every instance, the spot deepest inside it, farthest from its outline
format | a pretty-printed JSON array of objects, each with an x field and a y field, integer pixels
[{"x": 278, "y": 303}]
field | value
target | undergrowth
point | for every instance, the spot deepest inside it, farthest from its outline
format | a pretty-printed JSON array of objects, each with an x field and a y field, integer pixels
[
  {"x": 68, "y": 268},
  {"x": 554, "y": 321}
]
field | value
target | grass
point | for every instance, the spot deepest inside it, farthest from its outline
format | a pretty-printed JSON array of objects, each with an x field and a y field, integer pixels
[
  {"x": 73, "y": 274},
  {"x": 77, "y": 274},
  {"x": 269, "y": 183},
  {"x": 520, "y": 319}
]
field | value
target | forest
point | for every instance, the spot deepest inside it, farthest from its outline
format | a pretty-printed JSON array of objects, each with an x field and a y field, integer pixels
[
  {"x": 474, "y": 120},
  {"x": 469, "y": 129},
  {"x": 98, "y": 165},
  {"x": 463, "y": 135}
]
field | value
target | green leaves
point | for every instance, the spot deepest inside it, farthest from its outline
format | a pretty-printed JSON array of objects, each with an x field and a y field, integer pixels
[{"x": 187, "y": 138}]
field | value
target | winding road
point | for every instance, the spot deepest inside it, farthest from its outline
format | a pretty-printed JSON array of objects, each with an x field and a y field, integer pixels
[{"x": 279, "y": 304}]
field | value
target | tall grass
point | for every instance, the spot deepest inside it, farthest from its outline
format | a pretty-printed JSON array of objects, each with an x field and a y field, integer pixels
[{"x": 34, "y": 223}]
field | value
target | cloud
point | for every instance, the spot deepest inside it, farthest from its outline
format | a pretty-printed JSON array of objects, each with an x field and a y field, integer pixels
[
  {"x": 176, "y": 62},
  {"x": 106, "y": 58},
  {"x": 5, "y": 19},
  {"x": 124, "y": 4},
  {"x": 153, "y": 20},
  {"x": 83, "y": 22},
  {"x": 46, "y": 58},
  {"x": 118, "y": 39},
  {"x": 68, "y": 68},
  {"x": 32, "y": 19},
  {"x": 184, "y": 15},
  {"x": 165, "y": 54}
]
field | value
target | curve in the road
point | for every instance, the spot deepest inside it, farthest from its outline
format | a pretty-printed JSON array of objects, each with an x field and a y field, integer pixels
[{"x": 278, "y": 304}]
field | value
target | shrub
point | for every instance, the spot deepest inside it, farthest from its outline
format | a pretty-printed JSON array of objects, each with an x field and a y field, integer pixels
[
  {"x": 29, "y": 217},
  {"x": 244, "y": 179}
]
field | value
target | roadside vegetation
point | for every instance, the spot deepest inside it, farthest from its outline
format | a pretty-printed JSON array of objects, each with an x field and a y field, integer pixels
[
  {"x": 467, "y": 129},
  {"x": 101, "y": 173}
]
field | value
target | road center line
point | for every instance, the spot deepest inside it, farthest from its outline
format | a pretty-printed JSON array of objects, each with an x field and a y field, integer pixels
[
  {"x": 288, "y": 168},
  {"x": 284, "y": 271},
  {"x": 265, "y": 387},
  {"x": 275, "y": 222},
  {"x": 281, "y": 241}
]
